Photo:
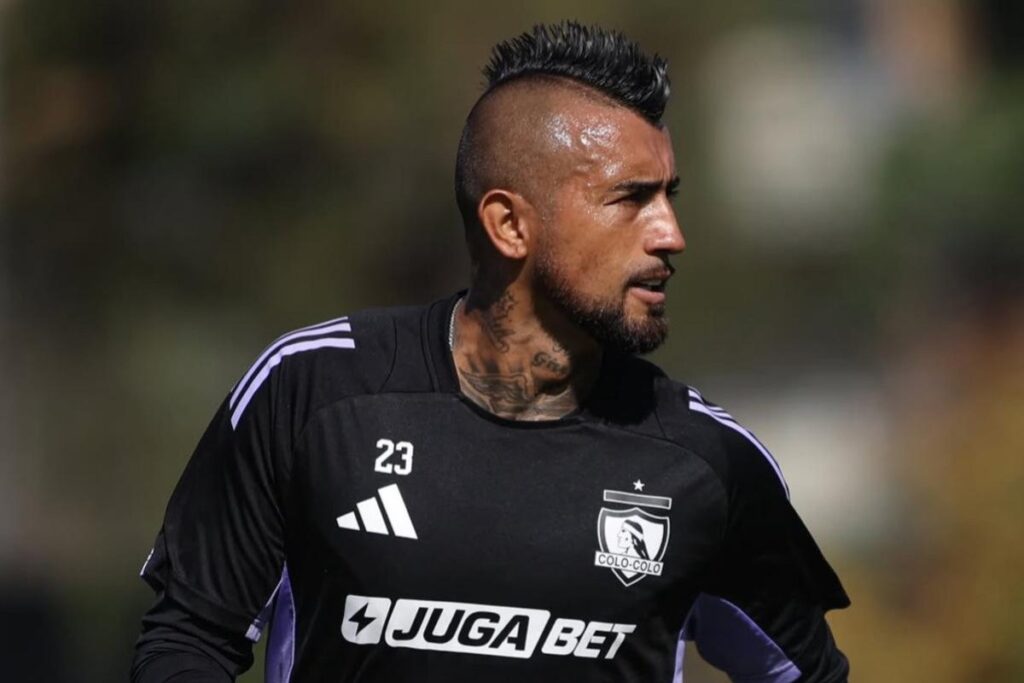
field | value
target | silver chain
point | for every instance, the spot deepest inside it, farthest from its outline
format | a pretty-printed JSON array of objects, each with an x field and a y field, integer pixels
[{"x": 451, "y": 325}]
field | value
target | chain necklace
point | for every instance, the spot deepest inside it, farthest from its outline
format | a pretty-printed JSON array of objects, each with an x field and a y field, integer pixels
[{"x": 451, "y": 325}]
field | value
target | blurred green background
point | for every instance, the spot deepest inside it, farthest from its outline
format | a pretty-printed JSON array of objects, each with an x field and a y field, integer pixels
[{"x": 183, "y": 181}]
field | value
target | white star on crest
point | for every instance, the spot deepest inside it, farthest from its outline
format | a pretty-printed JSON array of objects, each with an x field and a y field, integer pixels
[{"x": 638, "y": 485}]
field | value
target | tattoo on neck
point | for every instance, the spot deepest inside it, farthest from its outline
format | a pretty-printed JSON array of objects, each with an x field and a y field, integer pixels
[
  {"x": 496, "y": 324},
  {"x": 509, "y": 396},
  {"x": 551, "y": 363},
  {"x": 500, "y": 394}
]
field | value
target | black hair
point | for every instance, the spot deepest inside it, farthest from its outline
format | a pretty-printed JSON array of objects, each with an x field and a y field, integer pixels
[{"x": 606, "y": 61}]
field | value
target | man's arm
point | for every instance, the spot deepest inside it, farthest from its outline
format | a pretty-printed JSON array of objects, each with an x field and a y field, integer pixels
[
  {"x": 732, "y": 641},
  {"x": 177, "y": 647},
  {"x": 220, "y": 551},
  {"x": 761, "y": 617}
]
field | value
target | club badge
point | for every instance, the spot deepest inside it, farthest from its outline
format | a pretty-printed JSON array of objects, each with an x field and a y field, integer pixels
[{"x": 632, "y": 540}]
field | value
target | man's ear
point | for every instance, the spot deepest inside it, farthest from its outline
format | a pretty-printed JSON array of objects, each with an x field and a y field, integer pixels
[{"x": 508, "y": 219}]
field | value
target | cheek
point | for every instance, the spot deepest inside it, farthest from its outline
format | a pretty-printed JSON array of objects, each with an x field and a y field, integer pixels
[
  {"x": 605, "y": 254},
  {"x": 589, "y": 246},
  {"x": 581, "y": 253},
  {"x": 598, "y": 271}
]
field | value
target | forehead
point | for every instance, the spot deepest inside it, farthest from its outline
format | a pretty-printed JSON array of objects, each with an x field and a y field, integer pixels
[{"x": 605, "y": 144}]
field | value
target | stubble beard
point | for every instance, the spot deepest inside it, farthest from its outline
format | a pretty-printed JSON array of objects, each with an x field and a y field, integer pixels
[{"x": 605, "y": 321}]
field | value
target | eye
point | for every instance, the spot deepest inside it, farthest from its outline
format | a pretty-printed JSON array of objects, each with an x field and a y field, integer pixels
[
  {"x": 624, "y": 199},
  {"x": 673, "y": 189},
  {"x": 637, "y": 197},
  {"x": 640, "y": 194}
]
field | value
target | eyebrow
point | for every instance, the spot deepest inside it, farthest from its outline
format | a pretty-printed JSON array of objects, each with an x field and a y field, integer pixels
[{"x": 645, "y": 186}]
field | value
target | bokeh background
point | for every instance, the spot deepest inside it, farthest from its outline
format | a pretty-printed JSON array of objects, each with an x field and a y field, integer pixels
[{"x": 183, "y": 181}]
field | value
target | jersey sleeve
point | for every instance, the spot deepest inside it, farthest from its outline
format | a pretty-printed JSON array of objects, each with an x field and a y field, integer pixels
[
  {"x": 762, "y": 616},
  {"x": 220, "y": 551}
]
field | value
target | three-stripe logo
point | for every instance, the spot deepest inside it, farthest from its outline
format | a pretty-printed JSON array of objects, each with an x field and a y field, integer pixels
[{"x": 372, "y": 514}]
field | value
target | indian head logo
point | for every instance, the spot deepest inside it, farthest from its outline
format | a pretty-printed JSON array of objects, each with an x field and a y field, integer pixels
[{"x": 632, "y": 540}]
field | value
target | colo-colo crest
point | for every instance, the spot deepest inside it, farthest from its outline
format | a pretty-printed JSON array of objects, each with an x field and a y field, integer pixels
[{"x": 632, "y": 540}]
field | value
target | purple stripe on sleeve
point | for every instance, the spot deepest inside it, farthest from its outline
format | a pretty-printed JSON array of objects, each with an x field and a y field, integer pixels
[
  {"x": 680, "y": 657},
  {"x": 281, "y": 645},
  {"x": 730, "y": 641}
]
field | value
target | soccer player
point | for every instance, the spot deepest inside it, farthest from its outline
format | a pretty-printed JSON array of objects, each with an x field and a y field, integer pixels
[{"x": 494, "y": 487}]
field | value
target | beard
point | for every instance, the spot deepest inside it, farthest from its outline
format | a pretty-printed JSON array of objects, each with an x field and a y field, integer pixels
[{"x": 604, "y": 320}]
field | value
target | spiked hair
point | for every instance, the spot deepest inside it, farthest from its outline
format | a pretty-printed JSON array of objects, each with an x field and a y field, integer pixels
[{"x": 604, "y": 60}]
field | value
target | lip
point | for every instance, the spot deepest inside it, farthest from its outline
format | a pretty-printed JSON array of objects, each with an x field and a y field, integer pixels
[{"x": 647, "y": 296}]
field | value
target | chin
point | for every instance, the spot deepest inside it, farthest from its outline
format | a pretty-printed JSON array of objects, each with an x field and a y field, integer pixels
[
  {"x": 656, "y": 311},
  {"x": 638, "y": 333},
  {"x": 646, "y": 337},
  {"x": 639, "y": 313},
  {"x": 618, "y": 324}
]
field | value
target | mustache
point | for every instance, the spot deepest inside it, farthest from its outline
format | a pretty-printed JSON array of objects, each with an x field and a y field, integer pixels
[{"x": 663, "y": 272}]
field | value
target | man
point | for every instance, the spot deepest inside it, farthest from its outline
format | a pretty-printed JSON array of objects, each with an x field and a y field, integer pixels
[{"x": 413, "y": 493}]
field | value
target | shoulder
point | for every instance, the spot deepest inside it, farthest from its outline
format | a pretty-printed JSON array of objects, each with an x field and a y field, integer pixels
[
  {"x": 346, "y": 356},
  {"x": 710, "y": 431}
]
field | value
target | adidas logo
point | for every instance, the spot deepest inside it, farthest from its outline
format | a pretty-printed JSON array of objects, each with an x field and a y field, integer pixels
[{"x": 371, "y": 515}]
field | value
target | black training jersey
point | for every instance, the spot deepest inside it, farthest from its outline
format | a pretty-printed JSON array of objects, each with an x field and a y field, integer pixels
[{"x": 379, "y": 526}]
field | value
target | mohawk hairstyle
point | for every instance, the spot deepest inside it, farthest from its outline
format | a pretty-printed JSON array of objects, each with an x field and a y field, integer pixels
[{"x": 604, "y": 60}]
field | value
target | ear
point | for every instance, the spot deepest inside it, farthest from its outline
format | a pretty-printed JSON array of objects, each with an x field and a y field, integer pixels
[{"x": 508, "y": 219}]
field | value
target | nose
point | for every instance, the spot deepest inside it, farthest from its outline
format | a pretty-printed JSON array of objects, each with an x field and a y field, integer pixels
[{"x": 663, "y": 234}]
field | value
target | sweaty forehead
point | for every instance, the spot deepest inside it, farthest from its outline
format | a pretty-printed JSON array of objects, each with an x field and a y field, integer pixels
[
  {"x": 547, "y": 111},
  {"x": 567, "y": 115},
  {"x": 601, "y": 128},
  {"x": 582, "y": 129},
  {"x": 545, "y": 131},
  {"x": 611, "y": 141}
]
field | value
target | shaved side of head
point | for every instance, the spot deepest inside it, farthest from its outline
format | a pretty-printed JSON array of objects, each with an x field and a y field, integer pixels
[{"x": 516, "y": 139}]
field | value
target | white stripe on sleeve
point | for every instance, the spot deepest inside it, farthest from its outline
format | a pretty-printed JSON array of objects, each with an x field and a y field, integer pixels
[
  {"x": 146, "y": 563},
  {"x": 311, "y": 331},
  {"x": 724, "y": 418},
  {"x": 274, "y": 360}
]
